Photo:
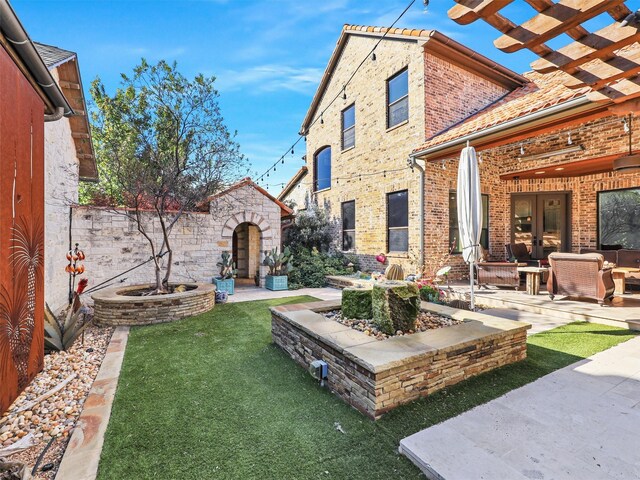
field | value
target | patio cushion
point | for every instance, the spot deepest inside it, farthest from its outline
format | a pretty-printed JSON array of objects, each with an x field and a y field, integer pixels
[{"x": 629, "y": 258}]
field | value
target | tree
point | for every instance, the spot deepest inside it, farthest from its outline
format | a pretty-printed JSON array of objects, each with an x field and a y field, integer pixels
[{"x": 162, "y": 148}]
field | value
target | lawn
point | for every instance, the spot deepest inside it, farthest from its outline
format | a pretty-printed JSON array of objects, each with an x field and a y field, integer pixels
[{"x": 211, "y": 397}]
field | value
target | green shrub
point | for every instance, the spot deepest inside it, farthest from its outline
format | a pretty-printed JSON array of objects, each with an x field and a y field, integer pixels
[{"x": 310, "y": 267}]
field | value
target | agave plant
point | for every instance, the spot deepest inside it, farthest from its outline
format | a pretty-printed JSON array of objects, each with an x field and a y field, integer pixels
[{"x": 62, "y": 330}]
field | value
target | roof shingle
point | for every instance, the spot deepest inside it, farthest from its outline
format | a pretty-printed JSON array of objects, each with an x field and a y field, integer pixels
[{"x": 53, "y": 56}]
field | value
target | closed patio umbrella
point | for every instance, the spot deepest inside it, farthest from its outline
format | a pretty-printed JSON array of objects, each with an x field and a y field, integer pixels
[{"x": 469, "y": 210}]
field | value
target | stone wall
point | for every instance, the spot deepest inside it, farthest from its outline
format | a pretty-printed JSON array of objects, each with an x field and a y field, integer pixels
[
  {"x": 61, "y": 191},
  {"x": 601, "y": 137},
  {"x": 112, "y": 308},
  {"x": 113, "y": 244},
  {"x": 376, "y": 376}
]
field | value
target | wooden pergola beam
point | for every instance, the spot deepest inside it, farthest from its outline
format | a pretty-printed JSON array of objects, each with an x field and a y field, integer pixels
[
  {"x": 576, "y": 32},
  {"x": 553, "y": 21},
  {"x": 619, "y": 92},
  {"x": 599, "y": 74},
  {"x": 467, "y": 11},
  {"x": 600, "y": 44}
]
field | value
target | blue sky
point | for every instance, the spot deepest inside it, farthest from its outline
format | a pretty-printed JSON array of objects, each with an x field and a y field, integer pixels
[{"x": 268, "y": 55}]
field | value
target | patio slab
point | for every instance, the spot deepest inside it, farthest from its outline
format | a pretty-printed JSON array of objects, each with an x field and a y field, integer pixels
[
  {"x": 578, "y": 422},
  {"x": 623, "y": 311}
]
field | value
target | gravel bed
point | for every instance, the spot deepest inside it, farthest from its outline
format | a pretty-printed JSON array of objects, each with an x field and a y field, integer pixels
[
  {"x": 426, "y": 321},
  {"x": 56, "y": 416}
]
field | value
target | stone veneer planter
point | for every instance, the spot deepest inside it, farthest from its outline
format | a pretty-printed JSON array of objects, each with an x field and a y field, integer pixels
[
  {"x": 113, "y": 308},
  {"x": 375, "y": 376}
]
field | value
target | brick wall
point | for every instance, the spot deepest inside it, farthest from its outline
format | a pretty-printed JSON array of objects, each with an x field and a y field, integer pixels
[
  {"x": 600, "y": 137},
  {"x": 453, "y": 94}
]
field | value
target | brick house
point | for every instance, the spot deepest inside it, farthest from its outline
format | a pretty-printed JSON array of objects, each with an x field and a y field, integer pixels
[
  {"x": 547, "y": 152},
  {"x": 547, "y": 174},
  {"x": 415, "y": 84}
]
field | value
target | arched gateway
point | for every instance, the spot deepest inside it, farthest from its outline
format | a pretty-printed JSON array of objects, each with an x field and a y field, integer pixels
[{"x": 248, "y": 222}]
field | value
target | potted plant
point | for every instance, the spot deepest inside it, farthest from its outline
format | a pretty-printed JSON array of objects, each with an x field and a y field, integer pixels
[
  {"x": 278, "y": 264},
  {"x": 225, "y": 281}
]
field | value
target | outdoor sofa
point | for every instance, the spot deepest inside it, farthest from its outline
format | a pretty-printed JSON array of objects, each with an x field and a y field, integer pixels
[
  {"x": 580, "y": 275},
  {"x": 623, "y": 258},
  {"x": 498, "y": 274}
]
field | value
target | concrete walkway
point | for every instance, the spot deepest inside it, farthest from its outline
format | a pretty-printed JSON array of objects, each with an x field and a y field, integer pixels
[
  {"x": 539, "y": 323},
  {"x": 580, "y": 422},
  {"x": 250, "y": 293}
]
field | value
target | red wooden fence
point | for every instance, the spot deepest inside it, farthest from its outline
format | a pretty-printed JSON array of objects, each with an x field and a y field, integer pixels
[{"x": 21, "y": 231}]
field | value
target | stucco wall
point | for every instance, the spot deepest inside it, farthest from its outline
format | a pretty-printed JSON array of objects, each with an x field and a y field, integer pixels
[
  {"x": 61, "y": 191},
  {"x": 112, "y": 243}
]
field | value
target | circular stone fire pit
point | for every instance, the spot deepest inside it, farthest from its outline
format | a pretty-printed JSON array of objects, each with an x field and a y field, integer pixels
[{"x": 117, "y": 306}]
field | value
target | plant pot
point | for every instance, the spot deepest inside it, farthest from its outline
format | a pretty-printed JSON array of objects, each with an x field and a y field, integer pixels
[
  {"x": 225, "y": 284},
  {"x": 222, "y": 296},
  {"x": 276, "y": 282}
]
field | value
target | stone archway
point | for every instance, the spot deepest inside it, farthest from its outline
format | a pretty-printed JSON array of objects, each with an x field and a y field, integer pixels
[
  {"x": 268, "y": 232},
  {"x": 247, "y": 217}
]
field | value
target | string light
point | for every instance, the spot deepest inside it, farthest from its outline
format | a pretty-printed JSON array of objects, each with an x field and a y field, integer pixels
[
  {"x": 569, "y": 140},
  {"x": 371, "y": 55},
  {"x": 521, "y": 149},
  {"x": 626, "y": 125}
]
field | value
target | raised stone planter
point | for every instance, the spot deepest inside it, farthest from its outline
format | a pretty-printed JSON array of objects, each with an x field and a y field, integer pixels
[
  {"x": 113, "y": 307},
  {"x": 376, "y": 376}
]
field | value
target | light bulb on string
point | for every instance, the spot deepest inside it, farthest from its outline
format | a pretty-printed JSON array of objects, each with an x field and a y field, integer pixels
[{"x": 373, "y": 56}]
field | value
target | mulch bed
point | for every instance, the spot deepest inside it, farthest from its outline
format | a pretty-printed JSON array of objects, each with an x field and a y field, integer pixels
[
  {"x": 56, "y": 416},
  {"x": 426, "y": 321}
]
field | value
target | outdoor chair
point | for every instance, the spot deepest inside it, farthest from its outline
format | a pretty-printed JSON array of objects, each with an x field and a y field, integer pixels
[
  {"x": 497, "y": 274},
  {"x": 520, "y": 253},
  {"x": 580, "y": 275}
]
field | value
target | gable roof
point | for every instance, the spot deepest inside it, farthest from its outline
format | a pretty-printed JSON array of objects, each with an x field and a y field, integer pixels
[
  {"x": 284, "y": 210},
  {"x": 53, "y": 56},
  {"x": 299, "y": 175},
  {"x": 69, "y": 81},
  {"x": 542, "y": 93},
  {"x": 433, "y": 41}
]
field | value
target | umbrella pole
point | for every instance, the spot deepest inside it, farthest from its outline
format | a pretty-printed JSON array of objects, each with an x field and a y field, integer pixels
[{"x": 473, "y": 306}]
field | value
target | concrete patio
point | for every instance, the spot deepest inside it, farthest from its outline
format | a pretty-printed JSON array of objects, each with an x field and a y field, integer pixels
[
  {"x": 623, "y": 311},
  {"x": 579, "y": 422}
]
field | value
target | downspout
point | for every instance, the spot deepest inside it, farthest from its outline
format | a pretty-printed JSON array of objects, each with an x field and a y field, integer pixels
[
  {"x": 413, "y": 162},
  {"x": 57, "y": 115}
]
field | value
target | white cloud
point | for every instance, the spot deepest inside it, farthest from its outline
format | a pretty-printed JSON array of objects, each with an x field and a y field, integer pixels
[{"x": 271, "y": 78}]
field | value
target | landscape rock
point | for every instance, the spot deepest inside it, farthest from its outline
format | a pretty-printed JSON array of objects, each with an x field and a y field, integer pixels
[
  {"x": 356, "y": 302},
  {"x": 395, "y": 306}
]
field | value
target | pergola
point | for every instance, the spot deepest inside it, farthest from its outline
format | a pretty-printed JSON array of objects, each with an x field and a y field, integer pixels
[{"x": 607, "y": 61}]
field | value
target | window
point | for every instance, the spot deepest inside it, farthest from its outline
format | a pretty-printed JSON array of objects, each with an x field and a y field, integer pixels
[
  {"x": 454, "y": 234},
  {"x": 322, "y": 169},
  {"x": 348, "y": 225},
  {"x": 398, "y": 98},
  {"x": 619, "y": 219},
  {"x": 349, "y": 127},
  {"x": 398, "y": 221}
]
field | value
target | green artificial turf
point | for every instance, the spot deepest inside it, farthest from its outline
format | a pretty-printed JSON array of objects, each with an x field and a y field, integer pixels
[{"x": 211, "y": 398}]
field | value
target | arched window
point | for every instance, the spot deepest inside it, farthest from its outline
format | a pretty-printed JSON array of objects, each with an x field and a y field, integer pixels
[{"x": 322, "y": 169}]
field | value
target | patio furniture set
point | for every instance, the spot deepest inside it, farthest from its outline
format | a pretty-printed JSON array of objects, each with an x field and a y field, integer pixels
[{"x": 593, "y": 274}]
